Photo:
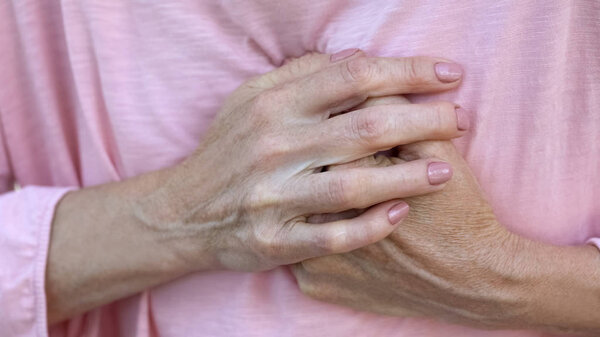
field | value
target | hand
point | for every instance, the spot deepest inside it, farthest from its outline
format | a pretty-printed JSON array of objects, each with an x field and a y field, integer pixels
[
  {"x": 441, "y": 261},
  {"x": 450, "y": 259},
  {"x": 243, "y": 196},
  {"x": 239, "y": 202}
]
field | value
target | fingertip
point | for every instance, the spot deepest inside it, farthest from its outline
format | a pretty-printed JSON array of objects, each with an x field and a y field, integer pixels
[
  {"x": 397, "y": 213},
  {"x": 463, "y": 122},
  {"x": 448, "y": 72},
  {"x": 439, "y": 172},
  {"x": 344, "y": 54}
]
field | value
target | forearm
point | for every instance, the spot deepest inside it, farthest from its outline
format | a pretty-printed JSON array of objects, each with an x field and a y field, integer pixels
[{"x": 101, "y": 251}]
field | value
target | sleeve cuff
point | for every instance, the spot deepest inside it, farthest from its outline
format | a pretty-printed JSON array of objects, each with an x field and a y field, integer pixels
[{"x": 25, "y": 222}]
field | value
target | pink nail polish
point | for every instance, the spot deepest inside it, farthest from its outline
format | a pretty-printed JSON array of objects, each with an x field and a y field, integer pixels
[
  {"x": 448, "y": 72},
  {"x": 344, "y": 54},
  {"x": 439, "y": 173},
  {"x": 462, "y": 119},
  {"x": 398, "y": 212}
]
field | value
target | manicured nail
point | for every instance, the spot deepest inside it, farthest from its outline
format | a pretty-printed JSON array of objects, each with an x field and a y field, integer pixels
[
  {"x": 462, "y": 119},
  {"x": 397, "y": 212},
  {"x": 344, "y": 54},
  {"x": 439, "y": 172},
  {"x": 448, "y": 72}
]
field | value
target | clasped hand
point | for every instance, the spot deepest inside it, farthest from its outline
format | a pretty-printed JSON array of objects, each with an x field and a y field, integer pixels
[
  {"x": 451, "y": 259},
  {"x": 241, "y": 201}
]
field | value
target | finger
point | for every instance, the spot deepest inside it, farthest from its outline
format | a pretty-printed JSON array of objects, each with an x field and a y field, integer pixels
[
  {"x": 422, "y": 150},
  {"x": 341, "y": 236},
  {"x": 376, "y": 101},
  {"x": 363, "y": 132},
  {"x": 305, "y": 65},
  {"x": 375, "y": 160},
  {"x": 350, "y": 82},
  {"x": 381, "y": 157},
  {"x": 329, "y": 217},
  {"x": 385, "y": 100},
  {"x": 330, "y": 192}
]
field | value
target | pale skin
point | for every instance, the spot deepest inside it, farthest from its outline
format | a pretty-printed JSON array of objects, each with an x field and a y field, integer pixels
[
  {"x": 241, "y": 200},
  {"x": 451, "y": 259}
]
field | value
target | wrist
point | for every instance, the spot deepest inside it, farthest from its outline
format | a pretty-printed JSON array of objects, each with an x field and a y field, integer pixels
[
  {"x": 169, "y": 211},
  {"x": 99, "y": 251},
  {"x": 154, "y": 250},
  {"x": 561, "y": 287}
]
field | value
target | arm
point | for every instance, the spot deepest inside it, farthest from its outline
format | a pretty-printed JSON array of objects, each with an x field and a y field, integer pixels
[
  {"x": 239, "y": 201},
  {"x": 99, "y": 251},
  {"x": 452, "y": 260}
]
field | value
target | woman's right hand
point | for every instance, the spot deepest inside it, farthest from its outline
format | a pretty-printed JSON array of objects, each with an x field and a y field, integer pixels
[{"x": 240, "y": 201}]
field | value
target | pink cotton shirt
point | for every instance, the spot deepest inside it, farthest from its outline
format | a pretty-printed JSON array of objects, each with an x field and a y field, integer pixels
[{"x": 98, "y": 91}]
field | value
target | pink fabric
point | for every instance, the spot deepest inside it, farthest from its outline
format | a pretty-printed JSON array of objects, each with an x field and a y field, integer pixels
[{"x": 98, "y": 91}]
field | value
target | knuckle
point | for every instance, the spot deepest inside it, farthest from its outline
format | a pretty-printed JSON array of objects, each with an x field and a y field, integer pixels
[
  {"x": 268, "y": 245},
  {"x": 359, "y": 70},
  {"x": 367, "y": 127},
  {"x": 261, "y": 196},
  {"x": 330, "y": 243},
  {"x": 270, "y": 148},
  {"x": 322, "y": 245},
  {"x": 441, "y": 118},
  {"x": 310, "y": 266},
  {"x": 304, "y": 64},
  {"x": 257, "y": 82},
  {"x": 382, "y": 161},
  {"x": 264, "y": 103},
  {"x": 444, "y": 150},
  {"x": 395, "y": 161},
  {"x": 413, "y": 71},
  {"x": 308, "y": 288},
  {"x": 340, "y": 190}
]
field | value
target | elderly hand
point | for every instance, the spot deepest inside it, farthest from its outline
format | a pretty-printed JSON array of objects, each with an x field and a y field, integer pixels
[
  {"x": 243, "y": 197},
  {"x": 450, "y": 259},
  {"x": 240, "y": 201}
]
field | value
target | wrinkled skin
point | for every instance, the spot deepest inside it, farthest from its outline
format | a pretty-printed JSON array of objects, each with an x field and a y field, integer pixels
[
  {"x": 239, "y": 201},
  {"x": 449, "y": 259}
]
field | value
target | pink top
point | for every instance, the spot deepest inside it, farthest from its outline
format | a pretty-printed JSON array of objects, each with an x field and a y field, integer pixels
[{"x": 98, "y": 91}]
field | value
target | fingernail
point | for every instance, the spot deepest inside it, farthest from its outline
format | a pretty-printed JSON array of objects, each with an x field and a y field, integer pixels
[
  {"x": 439, "y": 172},
  {"x": 397, "y": 212},
  {"x": 344, "y": 54},
  {"x": 448, "y": 72},
  {"x": 462, "y": 119}
]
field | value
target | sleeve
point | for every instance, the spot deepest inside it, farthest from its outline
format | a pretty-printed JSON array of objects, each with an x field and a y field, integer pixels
[{"x": 25, "y": 220}]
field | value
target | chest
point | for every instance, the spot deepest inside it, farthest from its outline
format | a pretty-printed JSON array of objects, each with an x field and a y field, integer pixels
[{"x": 143, "y": 81}]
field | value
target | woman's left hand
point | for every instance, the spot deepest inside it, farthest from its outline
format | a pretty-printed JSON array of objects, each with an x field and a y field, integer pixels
[{"x": 452, "y": 260}]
